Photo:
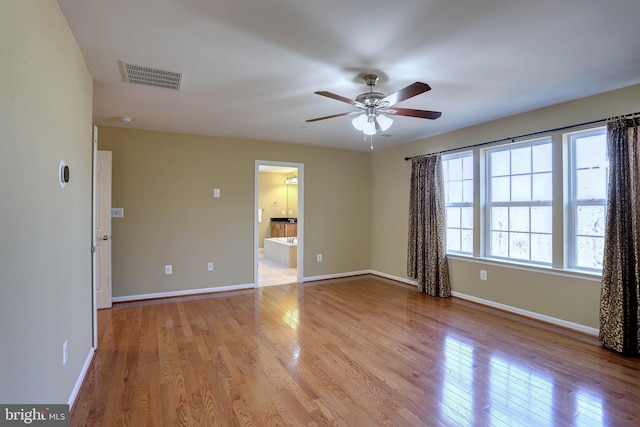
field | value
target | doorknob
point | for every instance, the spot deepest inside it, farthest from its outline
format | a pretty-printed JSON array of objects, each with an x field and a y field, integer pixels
[{"x": 105, "y": 237}]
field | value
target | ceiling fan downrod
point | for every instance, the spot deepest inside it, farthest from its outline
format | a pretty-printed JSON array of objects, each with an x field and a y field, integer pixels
[{"x": 370, "y": 98}]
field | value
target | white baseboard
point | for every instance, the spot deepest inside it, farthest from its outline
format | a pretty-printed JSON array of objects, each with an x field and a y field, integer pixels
[
  {"x": 335, "y": 276},
  {"x": 395, "y": 278},
  {"x": 80, "y": 380},
  {"x": 530, "y": 314},
  {"x": 186, "y": 292}
]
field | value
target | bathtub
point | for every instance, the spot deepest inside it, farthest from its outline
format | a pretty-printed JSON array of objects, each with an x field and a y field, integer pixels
[{"x": 283, "y": 250}]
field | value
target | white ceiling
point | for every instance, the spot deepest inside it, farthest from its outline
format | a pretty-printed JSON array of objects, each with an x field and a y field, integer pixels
[{"x": 251, "y": 66}]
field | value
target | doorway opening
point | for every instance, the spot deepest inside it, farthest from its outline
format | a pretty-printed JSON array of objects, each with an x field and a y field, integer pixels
[{"x": 279, "y": 220}]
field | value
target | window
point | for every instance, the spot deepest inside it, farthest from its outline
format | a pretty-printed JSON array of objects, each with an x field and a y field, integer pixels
[
  {"x": 516, "y": 210},
  {"x": 457, "y": 171},
  {"x": 588, "y": 198},
  {"x": 519, "y": 202}
]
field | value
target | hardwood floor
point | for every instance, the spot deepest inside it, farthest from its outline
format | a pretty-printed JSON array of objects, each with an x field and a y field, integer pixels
[{"x": 351, "y": 352}]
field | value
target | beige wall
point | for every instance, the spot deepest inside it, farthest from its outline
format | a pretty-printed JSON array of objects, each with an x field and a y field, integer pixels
[
  {"x": 164, "y": 182},
  {"x": 571, "y": 299},
  {"x": 274, "y": 197},
  {"x": 45, "y": 231}
]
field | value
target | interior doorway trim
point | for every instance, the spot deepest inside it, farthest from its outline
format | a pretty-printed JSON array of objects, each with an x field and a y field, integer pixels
[
  {"x": 94, "y": 261},
  {"x": 300, "y": 263}
]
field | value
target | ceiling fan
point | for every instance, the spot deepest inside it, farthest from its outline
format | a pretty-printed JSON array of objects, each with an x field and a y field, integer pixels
[{"x": 373, "y": 105}]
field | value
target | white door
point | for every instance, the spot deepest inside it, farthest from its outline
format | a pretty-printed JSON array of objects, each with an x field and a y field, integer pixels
[{"x": 103, "y": 229}]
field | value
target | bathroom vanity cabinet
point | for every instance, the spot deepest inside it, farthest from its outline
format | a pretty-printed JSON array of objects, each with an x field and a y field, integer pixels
[{"x": 283, "y": 228}]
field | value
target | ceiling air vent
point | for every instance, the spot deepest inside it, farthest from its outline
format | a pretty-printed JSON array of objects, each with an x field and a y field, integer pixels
[{"x": 152, "y": 76}]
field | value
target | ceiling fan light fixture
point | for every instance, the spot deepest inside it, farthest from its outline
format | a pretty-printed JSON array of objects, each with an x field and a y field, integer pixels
[
  {"x": 360, "y": 122},
  {"x": 369, "y": 128},
  {"x": 372, "y": 104},
  {"x": 384, "y": 122}
]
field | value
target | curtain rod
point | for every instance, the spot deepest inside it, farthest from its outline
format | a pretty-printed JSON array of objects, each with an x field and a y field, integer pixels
[{"x": 512, "y": 138}]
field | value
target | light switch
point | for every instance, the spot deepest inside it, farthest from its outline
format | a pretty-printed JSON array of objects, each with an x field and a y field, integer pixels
[{"x": 216, "y": 192}]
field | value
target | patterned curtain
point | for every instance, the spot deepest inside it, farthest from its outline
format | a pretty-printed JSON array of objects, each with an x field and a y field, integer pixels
[
  {"x": 620, "y": 293},
  {"x": 427, "y": 248}
]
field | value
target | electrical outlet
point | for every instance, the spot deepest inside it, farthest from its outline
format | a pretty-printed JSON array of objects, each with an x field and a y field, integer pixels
[
  {"x": 483, "y": 274},
  {"x": 168, "y": 269},
  {"x": 210, "y": 266},
  {"x": 319, "y": 257},
  {"x": 65, "y": 356}
]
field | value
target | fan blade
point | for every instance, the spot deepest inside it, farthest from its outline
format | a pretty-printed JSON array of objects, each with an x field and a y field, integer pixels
[
  {"x": 422, "y": 114},
  {"x": 408, "y": 92},
  {"x": 336, "y": 97},
  {"x": 331, "y": 117}
]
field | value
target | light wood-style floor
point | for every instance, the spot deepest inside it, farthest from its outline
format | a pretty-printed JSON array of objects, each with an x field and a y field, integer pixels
[{"x": 349, "y": 352}]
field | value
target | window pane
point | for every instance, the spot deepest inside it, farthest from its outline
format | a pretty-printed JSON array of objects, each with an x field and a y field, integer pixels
[
  {"x": 500, "y": 218},
  {"x": 455, "y": 169},
  {"x": 590, "y": 220},
  {"x": 467, "y": 191},
  {"x": 541, "y": 248},
  {"x": 466, "y": 218},
  {"x": 542, "y": 187},
  {"x": 519, "y": 246},
  {"x": 453, "y": 217},
  {"x": 591, "y": 184},
  {"x": 521, "y": 160},
  {"x": 591, "y": 151},
  {"x": 467, "y": 241},
  {"x": 467, "y": 167},
  {"x": 541, "y": 219},
  {"x": 453, "y": 239},
  {"x": 500, "y": 244},
  {"x": 542, "y": 158},
  {"x": 500, "y": 163},
  {"x": 455, "y": 192},
  {"x": 519, "y": 218},
  {"x": 589, "y": 252},
  {"x": 521, "y": 188},
  {"x": 458, "y": 177},
  {"x": 500, "y": 189},
  {"x": 520, "y": 223}
]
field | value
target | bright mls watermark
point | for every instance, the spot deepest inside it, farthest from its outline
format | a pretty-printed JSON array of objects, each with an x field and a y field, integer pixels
[{"x": 37, "y": 415}]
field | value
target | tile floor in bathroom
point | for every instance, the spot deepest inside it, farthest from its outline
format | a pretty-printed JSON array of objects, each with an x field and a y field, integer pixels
[{"x": 272, "y": 273}]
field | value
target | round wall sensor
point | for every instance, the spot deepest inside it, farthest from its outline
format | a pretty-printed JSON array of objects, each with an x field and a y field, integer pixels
[{"x": 63, "y": 174}]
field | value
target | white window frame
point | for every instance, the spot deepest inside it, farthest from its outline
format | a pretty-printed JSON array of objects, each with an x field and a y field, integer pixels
[
  {"x": 574, "y": 203},
  {"x": 490, "y": 204},
  {"x": 446, "y": 158}
]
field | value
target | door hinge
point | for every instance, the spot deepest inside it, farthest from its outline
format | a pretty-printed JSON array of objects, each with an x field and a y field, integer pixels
[{"x": 93, "y": 249}]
